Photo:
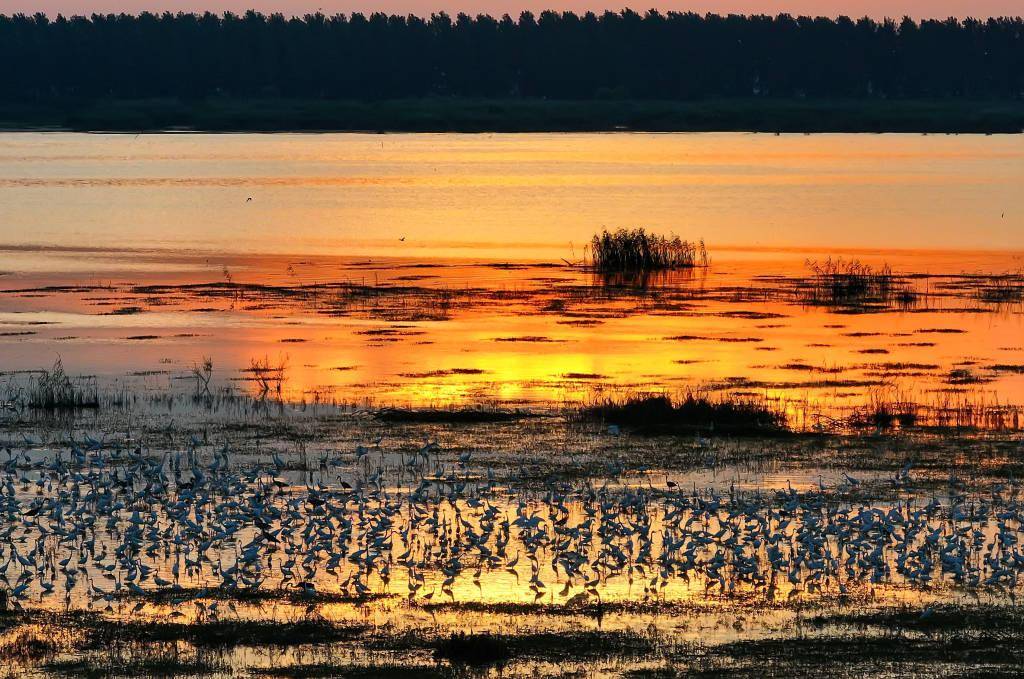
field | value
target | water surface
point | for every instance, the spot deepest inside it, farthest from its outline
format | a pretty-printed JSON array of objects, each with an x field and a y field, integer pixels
[{"x": 435, "y": 269}]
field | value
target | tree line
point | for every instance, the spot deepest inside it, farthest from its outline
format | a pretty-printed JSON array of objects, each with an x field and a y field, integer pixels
[{"x": 674, "y": 56}]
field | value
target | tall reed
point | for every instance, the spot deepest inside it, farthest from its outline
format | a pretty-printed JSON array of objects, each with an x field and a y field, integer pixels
[{"x": 633, "y": 250}]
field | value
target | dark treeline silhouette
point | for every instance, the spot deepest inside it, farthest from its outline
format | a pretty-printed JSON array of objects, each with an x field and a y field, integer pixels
[{"x": 622, "y": 55}]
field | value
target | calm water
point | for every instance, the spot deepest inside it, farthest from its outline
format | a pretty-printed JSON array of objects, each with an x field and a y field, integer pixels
[
  {"x": 444, "y": 269},
  {"x": 411, "y": 227},
  {"x": 507, "y": 196}
]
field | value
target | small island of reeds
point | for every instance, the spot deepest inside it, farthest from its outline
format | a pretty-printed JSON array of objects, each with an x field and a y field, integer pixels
[{"x": 636, "y": 250}]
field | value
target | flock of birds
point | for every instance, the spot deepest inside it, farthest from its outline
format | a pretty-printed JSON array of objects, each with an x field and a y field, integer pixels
[{"x": 94, "y": 524}]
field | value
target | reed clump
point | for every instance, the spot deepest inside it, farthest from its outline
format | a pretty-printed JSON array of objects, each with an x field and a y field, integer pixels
[
  {"x": 1002, "y": 289},
  {"x": 850, "y": 282},
  {"x": 886, "y": 411},
  {"x": 693, "y": 412},
  {"x": 636, "y": 250},
  {"x": 55, "y": 390}
]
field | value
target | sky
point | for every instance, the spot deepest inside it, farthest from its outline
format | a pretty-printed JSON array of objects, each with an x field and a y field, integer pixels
[{"x": 857, "y": 8}]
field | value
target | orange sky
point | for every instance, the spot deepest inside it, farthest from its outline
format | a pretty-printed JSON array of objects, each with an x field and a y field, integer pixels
[{"x": 876, "y": 8}]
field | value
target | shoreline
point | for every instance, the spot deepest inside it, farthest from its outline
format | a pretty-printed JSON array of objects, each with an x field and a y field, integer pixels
[{"x": 440, "y": 115}]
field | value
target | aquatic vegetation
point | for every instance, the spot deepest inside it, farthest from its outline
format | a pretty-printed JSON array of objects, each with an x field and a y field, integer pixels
[
  {"x": 27, "y": 642},
  {"x": 451, "y": 415},
  {"x": 202, "y": 373},
  {"x": 268, "y": 377},
  {"x": 693, "y": 413},
  {"x": 169, "y": 665},
  {"x": 636, "y": 250},
  {"x": 351, "y": 671},
  {"x": 54, "y": 389},
  {"x": 1001, "y": 289},
  {"x": 473, "y": 649},
  {"x": 851, "y": 283},
  {"x": 886, "y": 410}
]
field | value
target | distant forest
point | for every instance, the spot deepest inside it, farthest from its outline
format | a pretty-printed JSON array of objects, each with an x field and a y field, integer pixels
[{"x": 625, "y": 55}]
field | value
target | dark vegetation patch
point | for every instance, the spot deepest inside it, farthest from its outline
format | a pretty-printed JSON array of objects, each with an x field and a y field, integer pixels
[
  {"x": 706, "y": 338},
  {"x": 540, "y": 339},
  {"x": 177, "y": 595},
  {"x": 325, "y": 670},
  {"x": 54, "y": 389},
  {"x": 1008, "y": 368},
  {"x": 581, "y": 322},
  {"x": 18, "y": 333},
  {"x": 169, "y": 666},
  {"x": 965, "y": 376},
  {"x": 495, "y": 649},
  {"x": 444, "y": 373},
  {"x": 893, "y": 366},
  {"x": 806, "y": 367},
  {"x": 1001, "y": 289},
  {"x": 751, "y": 315},
  {"x": 25, "y": 642},
  {"x": 390, "y": 332},
  {"x": 940, "y": 331},
  {"x": 830, "y": 651},
  {"x": 659, "y": 414},
  {"x": 141, "y": 338},
  {"x": 887, "y": 413},
  {"x": 583, "y": 376},
  {"x": 520, "y": 114},
  {"x": 450, "y": 415},
  {"x": 636, "y": 251},
  {"x": 853, "y": 286},
  {"x": 220, "y": 633},
  {"x": 934, "y": 618}
]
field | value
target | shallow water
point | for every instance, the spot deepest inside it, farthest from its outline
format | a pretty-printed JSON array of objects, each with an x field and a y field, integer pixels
[
  {"x": 443, "y": 269},
  {"x": 507, "y": 196},
  {"x": 407, "y": 231}
]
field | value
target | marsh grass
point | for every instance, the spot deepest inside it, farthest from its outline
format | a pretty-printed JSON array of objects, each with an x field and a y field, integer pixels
[
  {"x": 451, "y": 415},
  {"x": 268, "y": 377},
  {"x": 887, "y": 409},
  {"x": 935, "y": 618},
  {"x": 488, "y": 649},
  {"x": 1001, "y": 289},
  {"x": 168, "y": 665},
  {"x": 694, "y": 412},
  {"x": 220, "y": 633},
  {"x": 28, "y": 642},
  {"x": 851, "y": 283},
  {"x": 637, "y": 251},
  {"x": 377, "y": 671},
  {"x": 54, "y": 389}
]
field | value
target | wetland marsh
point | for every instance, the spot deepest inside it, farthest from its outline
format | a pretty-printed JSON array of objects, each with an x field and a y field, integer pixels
[{"x": 367, "y": 405}]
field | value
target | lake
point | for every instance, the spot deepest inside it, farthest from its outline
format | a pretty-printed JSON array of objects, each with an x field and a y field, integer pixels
[
  {"x": 314, "y": 405},
  {"x": 437, "y": 269}
]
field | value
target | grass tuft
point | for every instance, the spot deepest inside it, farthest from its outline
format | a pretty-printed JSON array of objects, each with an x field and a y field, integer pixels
[
  {"x": 55, "y": 390},
  {"x": 695, "y": 412},
  {"x": 840, "y": 282},
  {"x": 636, "y": 250}
]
